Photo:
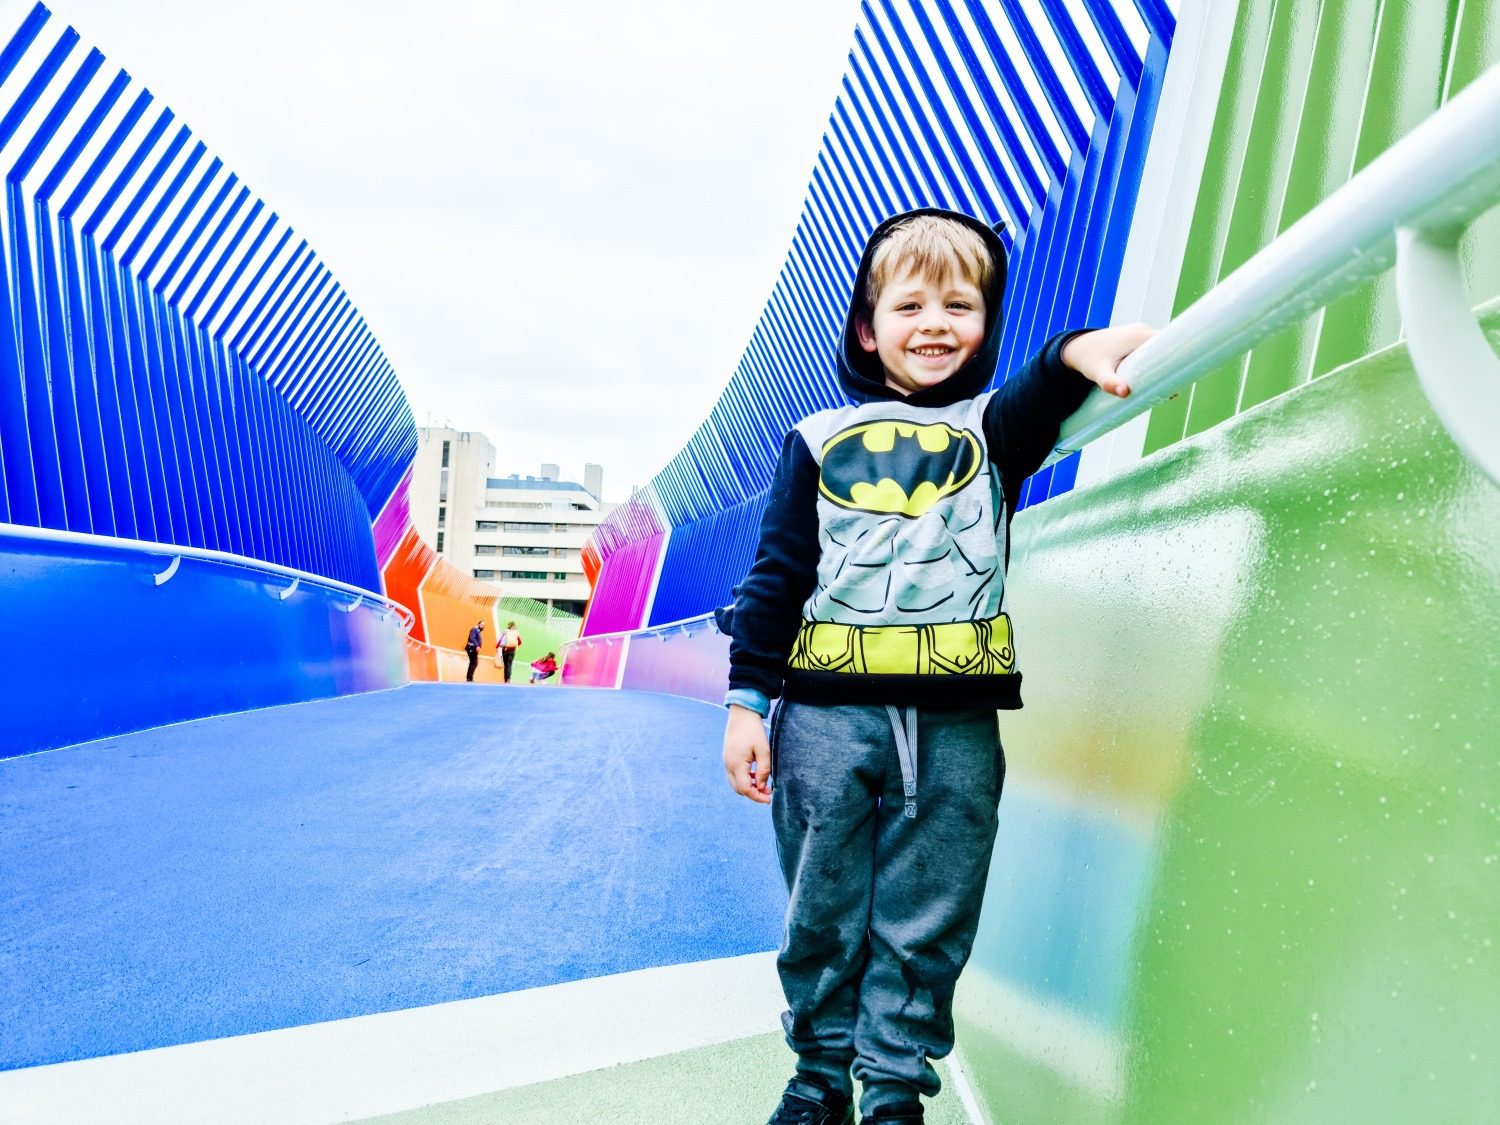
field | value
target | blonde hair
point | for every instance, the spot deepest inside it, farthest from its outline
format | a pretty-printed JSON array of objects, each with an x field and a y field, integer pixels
[{"x": 932, "y": 247}]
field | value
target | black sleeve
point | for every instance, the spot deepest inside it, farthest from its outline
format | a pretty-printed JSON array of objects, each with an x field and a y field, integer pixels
[
  {"x": 1022, "y": 419},
  {"x": 768, "y": 603}
]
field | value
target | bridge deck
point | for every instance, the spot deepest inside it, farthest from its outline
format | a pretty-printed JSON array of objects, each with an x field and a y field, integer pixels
[{"x": 369, "y": 904}]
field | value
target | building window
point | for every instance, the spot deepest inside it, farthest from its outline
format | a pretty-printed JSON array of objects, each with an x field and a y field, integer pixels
[
  {"x": 440, "y": 543},
  {"x": 513, "y": 526},
  {"x": 486, "y": 525},
  {"x": 446, "y": 444},
  {"x": 562, "y": 527},
  {"x": 559, "y": 575},
  {"x": 484, "y": 574},
  {"x": 535, "y": 575},
  {"x": 525, "y": 550},
  {"x": 443, "y": 487},
  {"x": 483, "y": 549},
  {"x": 442, "y": 517}
]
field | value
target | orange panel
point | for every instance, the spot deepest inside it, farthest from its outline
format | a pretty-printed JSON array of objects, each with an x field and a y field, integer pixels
[
  {"x": 453, "y": 602},
  {"x": 421, "y": 662},
  {"x": 409, "y": 564}
]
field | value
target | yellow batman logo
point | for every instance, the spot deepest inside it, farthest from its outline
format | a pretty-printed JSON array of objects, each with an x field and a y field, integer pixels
[{"x": 897, "y": 468}]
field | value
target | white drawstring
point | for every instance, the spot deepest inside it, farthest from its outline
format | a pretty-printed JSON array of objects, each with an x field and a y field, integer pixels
[{"x": 905, "y": 731}]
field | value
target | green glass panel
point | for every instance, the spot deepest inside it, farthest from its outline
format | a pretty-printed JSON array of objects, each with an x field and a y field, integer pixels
[
  {"x": 1262, "y": 695},
  {"x": 542, "y": 630}
]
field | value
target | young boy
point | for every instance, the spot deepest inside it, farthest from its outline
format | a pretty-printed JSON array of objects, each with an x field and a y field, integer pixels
[{"x": 874, "y": 601}]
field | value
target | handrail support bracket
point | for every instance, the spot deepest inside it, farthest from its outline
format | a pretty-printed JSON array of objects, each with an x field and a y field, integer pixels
[{"x": 1455, "y": 364}]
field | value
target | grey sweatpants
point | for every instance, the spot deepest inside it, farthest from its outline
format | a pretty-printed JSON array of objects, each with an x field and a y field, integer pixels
[{"x": 883, "y": 905}]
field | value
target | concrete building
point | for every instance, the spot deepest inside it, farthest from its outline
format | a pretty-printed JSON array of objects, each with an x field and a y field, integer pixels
[{"x": 523, "y": 533}]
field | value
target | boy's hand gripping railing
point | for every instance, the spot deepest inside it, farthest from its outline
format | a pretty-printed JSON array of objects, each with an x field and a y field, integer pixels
[{"x": 1410, "y": 205}]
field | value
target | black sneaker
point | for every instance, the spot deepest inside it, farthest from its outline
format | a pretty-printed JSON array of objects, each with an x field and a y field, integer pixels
[
  {"x": 806, "y": 1103},
  {"x": 902, "y": 1113}
]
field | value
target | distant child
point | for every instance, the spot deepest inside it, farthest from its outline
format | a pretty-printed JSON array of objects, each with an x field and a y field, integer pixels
[
  {"x": 544, "y": 668},
  {"x": 873, "y": 610}
]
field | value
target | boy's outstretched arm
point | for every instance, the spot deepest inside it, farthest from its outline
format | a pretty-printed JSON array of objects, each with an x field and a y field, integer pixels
[{"x": 1022, "y": 419}]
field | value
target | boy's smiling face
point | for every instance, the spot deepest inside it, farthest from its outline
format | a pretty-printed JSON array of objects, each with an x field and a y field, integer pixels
[{"x": 923, "y": 330}]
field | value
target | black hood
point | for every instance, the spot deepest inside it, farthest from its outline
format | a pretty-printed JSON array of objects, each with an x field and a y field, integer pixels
[{"x": 860, "y": 372}]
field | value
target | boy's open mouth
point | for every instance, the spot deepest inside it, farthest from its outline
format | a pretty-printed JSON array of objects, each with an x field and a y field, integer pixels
[{"x": 933, "y": 351}]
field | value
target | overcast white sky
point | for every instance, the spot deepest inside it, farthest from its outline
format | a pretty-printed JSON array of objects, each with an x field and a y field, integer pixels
[{"x": 561, "y": 220}]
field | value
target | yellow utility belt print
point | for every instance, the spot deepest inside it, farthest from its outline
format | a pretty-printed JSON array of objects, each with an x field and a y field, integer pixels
[{"x": 962, "y": 648}]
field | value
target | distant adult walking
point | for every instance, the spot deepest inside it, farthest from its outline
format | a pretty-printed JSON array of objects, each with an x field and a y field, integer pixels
[
  {"x": 506, "y": 645},
  {"x": 476, "y": 638}
]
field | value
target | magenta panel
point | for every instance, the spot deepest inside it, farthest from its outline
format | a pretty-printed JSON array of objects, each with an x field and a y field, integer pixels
[
  {"x": 592, "y": 663},
  {"x": 633, "y": 520},
  {"x": 391, "y": 524},
  {"x": 623, "y": 590}
]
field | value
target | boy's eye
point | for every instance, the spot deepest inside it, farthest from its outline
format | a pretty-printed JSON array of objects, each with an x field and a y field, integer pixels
[
  {"x": 907, "y": 306},
  {"x": 961, "y": 305}
]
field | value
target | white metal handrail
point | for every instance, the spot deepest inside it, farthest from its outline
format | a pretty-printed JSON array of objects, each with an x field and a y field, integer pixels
[
  {"x": 176, "y": 553},
  {"x": 1433, "y": 182}
]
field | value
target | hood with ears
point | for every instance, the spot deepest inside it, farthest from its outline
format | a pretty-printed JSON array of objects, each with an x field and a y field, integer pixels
[{"x": 860, "y": 372}]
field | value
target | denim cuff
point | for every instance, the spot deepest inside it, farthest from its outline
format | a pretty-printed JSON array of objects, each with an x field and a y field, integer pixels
[{"x": 749, "y": 698}]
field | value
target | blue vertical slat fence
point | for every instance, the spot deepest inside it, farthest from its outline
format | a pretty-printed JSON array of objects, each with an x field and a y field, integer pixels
[{"x": 175, "y": 365}]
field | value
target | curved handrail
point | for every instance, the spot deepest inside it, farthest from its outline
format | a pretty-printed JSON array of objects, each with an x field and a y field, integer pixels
[
  {"x": 1438, "y": 179},
  {"x": 224, "y": 558},
  {"x": 686, "y": 625}
]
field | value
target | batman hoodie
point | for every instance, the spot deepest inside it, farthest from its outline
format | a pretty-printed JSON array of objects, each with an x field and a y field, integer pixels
[{"x": 880, "y": 572}]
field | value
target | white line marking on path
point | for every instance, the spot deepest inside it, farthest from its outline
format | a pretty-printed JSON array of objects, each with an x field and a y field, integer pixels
[{"x": 368, "y": 1065}]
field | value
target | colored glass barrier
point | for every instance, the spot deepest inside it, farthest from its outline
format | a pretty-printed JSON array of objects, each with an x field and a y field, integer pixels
[
  {"x": 107, "y": 638},
  {"x": 1245, "y": 840},
  {"x": 688, "y": 658}
]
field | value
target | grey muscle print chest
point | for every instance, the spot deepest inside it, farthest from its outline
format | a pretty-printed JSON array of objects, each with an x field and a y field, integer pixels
[{"x": 909, "y": 515}]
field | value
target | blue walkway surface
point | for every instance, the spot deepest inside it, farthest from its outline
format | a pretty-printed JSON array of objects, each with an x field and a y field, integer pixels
[{"x": 366, "y": 854}]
